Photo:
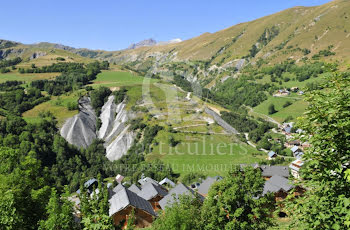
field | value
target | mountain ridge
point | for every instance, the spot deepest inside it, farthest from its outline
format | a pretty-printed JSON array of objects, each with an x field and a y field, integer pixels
[{"x": 300, "y": 33}]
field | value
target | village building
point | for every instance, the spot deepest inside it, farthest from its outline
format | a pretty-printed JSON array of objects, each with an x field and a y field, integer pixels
[
  {"x": 89, "y": 185},
  {"x": 145, "y": 180},
  {"x": 267, "y": 171},
  {"x": 134, "y": 188},
  {"x": 281, "y": 93},
  {"x": 296, "y": 151},
  {"x": 278, "y": 185},
  {"x": 119, "y": 178},
  {"x": 167, "y": 182},
  {"x": 271, "y": 155},
  {"x": 124, "y": 202},
  {"x": 175, "y": 193},
  {"x": 204, "y": 187},
  {"x": 294, "y": 89},
  {"x": 295, "y": 168},
  {"x": 287, "y": 128},
  {"x": 153, "y": 193}
]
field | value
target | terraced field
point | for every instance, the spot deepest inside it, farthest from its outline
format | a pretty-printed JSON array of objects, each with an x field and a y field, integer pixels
[{"x": 14, "y": 76}]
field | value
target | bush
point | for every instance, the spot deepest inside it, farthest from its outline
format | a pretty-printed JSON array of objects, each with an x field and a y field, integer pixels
[
  {"x": 271, "y": 109},
  {"x": 288, "y": 103},
  {"x": 60, "y": 59}
]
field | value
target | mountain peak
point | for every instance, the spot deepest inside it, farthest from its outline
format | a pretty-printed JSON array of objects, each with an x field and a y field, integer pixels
[{"x": 147, "y": 42}]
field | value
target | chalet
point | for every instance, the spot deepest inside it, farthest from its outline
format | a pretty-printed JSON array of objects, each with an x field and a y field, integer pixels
[
  {"x": 119, "y": 178},
  {"x": 287, "y": 127},
  {"x": 281, "y": 93},
  {"x": 89, "y": 185},
  {"x": 299, "y": 155},
  {"x": 278, "y": 185},
  {"x": 175, "y": 193},
  {"x": 294, "y": 89},
  {"x": 123, "y": 202},
  {"x": 271, "y": 155},
  {"x": 295, "y": 150},
  {"x": 167, "y": 182},
  {"x": 204, "y": 187},
  {"x": 134, "y": 188},
  {"x": 292, "y": 143},
  {"x": 268, "y": 171},
  {"x": 295, "y": 167},
  {"x": 145, "y": 180},
  {"x": 153, "y": 193}
]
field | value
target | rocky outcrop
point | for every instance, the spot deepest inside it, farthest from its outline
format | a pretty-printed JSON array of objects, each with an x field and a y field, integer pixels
[
  {"x": 114, "y": 129},
  {"x": 80, "y": 130},
  {"x": 147, "y": 42},
  {"x": 37, "y": 54}
]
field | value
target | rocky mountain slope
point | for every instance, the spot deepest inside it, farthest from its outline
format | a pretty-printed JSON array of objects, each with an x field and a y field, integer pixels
[{"x": 81, "y": 129}]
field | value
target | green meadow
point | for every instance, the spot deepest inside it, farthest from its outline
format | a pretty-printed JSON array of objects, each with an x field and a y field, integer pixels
[
  {"x": 295, "y": 110},
  {"x": 26, "y": 77},
  {"x": 118, "y": 79},
  {"x": 209, "y": 154}
]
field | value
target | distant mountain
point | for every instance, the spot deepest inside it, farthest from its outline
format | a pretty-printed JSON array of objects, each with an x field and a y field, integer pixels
[
  {"x": 152, "y": 42},
  {"x": 147, "y": 42},
  {"x": 299, "y": 33}
]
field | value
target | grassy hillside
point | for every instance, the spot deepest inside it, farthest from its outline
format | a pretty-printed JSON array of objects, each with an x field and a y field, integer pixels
[{"x": 299, "y": 28}]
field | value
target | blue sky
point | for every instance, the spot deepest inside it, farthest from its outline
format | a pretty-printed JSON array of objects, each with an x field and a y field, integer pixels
[{"x": 114, "y": 24}]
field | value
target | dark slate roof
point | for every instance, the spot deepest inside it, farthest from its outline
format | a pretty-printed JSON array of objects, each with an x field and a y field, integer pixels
[
  {"x": 269, "y": 171},
  {"x": 207, "y": 183},
  {"x": 124, "y": 197},
  {"x": 134, "y": 188},
  {"x": 174, "y": 194},
  {"x": 150, "y": 190},
  {"x": 276, "y": 184}
]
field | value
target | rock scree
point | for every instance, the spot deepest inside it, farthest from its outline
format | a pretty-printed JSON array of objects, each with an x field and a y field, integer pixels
[{"x": 81, "y": 130}]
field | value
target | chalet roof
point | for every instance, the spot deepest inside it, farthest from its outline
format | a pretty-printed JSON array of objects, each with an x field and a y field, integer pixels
[
  {"x": 134, "y": 188},
  {"x": 288, "y": 129},
  {"x": 167, "y": 181},
  {"x": 88, "y": 184},
  {"x": 145, "y": 180},
  {"x": 276, "y": 184},
  {"x": 124, "y": 197},
  {"x": 294, "y": 149},
  {"x": 207, "y": 183},
  {"x": 272, "y": 170},
  {"x": 299, "y": 155},
  {"x": 150, "y": 190},
  {"x": 271, "y": 154},
  {"x": 174, "y": 194},
  {"x": 296, "y": 165}
]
